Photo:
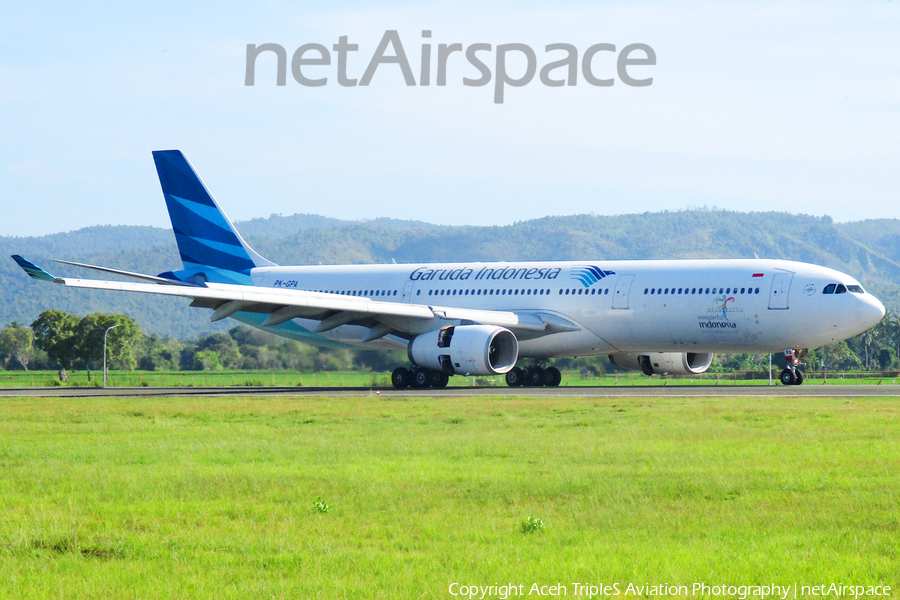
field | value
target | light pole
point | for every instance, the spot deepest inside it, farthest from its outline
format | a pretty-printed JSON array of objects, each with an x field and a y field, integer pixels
[{"x": 106, "y": 333}]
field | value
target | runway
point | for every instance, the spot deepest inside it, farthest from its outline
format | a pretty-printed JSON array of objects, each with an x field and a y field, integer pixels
[{"x": 692, "y": 391}]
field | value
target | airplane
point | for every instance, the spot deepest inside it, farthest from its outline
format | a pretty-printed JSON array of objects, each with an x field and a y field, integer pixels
[{"x": 485, "y": 318}]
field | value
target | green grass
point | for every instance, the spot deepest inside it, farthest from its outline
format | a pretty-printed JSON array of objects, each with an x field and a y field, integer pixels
[
  {"x": 217, "y": 497},
  {"x": 17, "y": 379}
]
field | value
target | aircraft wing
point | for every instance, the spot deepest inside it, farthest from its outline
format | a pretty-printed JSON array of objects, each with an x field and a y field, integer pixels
[{"x": 331, "y": 310}]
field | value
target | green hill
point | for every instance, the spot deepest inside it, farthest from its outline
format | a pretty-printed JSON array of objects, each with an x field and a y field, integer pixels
[{"x": 868, "y": 250}]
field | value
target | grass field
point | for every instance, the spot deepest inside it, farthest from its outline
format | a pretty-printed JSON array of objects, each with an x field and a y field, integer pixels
[
  {"x": 215, "y": 497},
  {"x": 22, "y": 379}
]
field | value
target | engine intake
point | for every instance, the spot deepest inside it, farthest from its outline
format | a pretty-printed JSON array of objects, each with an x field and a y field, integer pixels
[
  {"x": 662, "y": 363},
  {"x": 466, "y": 350}
]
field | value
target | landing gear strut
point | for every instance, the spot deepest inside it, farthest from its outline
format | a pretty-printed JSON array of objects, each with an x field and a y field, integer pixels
[{"x": 792, "y": 375}]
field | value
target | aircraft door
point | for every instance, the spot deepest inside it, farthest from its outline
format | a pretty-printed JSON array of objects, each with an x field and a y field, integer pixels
[
  {"x": 778, "y": 296},
  {"x": 406, "y": 295},
  {"x": 622, "y": 291}
]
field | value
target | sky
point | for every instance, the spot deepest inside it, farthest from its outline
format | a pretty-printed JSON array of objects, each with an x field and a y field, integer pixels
[{"x": 753, "y": 106}]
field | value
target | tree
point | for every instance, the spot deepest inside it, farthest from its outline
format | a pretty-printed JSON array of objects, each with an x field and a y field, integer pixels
[
  {"x": 89, "y": 335},
  {"x": 206, "y": 360},
  {"x": 54, "y": 333},
  {"x": 159, "y": 353},
  {"x": 225, "y": 348},
  {"x": 17, "y": 342},
  {"x": 886, "y": 358}
]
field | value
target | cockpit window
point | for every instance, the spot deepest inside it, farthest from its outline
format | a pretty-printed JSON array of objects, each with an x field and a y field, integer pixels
[
  {"x": 855, "y": 289},
  {"x": 840, "y": 289},
  {"x": 829, "y": 289}
]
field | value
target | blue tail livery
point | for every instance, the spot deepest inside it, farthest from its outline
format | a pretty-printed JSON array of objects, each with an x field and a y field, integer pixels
[{"x": 211, "y": 248}]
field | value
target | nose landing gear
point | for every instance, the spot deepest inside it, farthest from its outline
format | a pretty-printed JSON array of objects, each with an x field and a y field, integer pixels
[{"x": 792, "y": 375}]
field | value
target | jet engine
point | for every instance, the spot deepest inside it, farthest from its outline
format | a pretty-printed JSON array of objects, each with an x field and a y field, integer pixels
[
  {"x": 466, "y": 350},
  {"x": 662, "y": 363}
]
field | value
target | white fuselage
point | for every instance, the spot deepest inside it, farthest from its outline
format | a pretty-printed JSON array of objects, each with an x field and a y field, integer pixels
[{"x": 617, "y": 306}]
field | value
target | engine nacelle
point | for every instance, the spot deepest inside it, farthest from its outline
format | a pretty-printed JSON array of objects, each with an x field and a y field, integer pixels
[
  {"x": 662, "y": 363},
  {"x": 466, "y": 350}
]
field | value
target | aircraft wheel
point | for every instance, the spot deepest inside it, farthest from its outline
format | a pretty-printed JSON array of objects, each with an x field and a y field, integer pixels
[
  {"x": 552, "y": 377},
  {"x": 420, "y": 379},
  {"x": 514, "y": 377},
  {"x": 788, "y": 377},
  {"x": 799, "y": 376},
  {"x": 400, "y": 377},
  {"x": 438, "y": 379},
  {"x": 534, "y": 377}
]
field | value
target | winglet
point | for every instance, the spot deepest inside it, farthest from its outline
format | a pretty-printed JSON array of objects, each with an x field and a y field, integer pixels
[{"x": 32, "y": 269}]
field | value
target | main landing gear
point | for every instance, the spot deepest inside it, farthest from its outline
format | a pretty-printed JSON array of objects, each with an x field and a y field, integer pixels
[
  {"x": 418, "y": 378},
  {"x": 791, "y": 374},
  {"x": 533, "y": 376}
]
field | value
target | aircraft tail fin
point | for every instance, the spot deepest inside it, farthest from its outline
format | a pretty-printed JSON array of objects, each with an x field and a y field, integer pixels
[{"x": 206, "y": 238}]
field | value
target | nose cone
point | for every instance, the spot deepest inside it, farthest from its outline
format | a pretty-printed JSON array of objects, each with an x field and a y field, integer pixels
[{"x": 871, "y": 310}]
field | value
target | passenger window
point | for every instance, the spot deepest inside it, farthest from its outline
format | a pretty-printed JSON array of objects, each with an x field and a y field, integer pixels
[{"x": 840, "y": 289}]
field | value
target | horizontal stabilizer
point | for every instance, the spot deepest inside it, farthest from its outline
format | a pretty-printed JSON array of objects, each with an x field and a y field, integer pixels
[{"x": 161, "y": 280}]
